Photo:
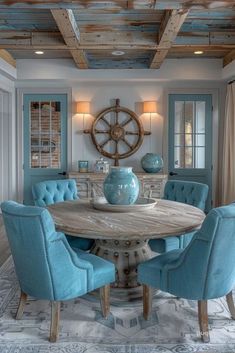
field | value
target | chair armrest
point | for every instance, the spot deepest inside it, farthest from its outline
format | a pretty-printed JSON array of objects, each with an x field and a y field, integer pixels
[
  {"x": 82, "y": 264},
  {"x": 177, "y": 263}
]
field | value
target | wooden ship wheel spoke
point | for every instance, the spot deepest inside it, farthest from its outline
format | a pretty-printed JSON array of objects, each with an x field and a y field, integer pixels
[
  {"x": 102, "y": 131},
  {"x": 126, "y": 122},
  {"x": 117, "y": 132}
]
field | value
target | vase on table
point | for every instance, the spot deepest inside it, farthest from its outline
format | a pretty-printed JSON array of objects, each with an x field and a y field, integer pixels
[
  {"x": 152, "y": 163},
  {"x": 121, "y": 186}
]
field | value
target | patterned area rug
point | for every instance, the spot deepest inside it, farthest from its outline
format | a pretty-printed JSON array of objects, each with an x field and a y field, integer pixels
[{"x": 173, "y": 327}]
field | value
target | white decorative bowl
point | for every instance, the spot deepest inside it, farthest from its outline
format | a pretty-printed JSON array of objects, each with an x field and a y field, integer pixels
[{"x": 142, "y": 204}]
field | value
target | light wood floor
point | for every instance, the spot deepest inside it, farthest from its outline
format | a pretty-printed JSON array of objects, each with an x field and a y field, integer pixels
[{"x": 4, "y": 246}]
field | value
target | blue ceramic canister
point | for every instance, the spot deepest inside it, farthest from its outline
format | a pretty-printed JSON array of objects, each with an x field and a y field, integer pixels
[
  {"x": 152, "y": 163},
  {"x": 121, "y": 186}
]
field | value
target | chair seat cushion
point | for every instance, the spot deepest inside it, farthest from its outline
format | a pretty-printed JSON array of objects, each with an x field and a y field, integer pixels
[
  {"x": 163, "y": 245},
  {"x": 150, "y": 272},
  {"x": 80, "y": 243},
  {"x": 103, "y": 270},
  {"x": 171, "y": 243}
]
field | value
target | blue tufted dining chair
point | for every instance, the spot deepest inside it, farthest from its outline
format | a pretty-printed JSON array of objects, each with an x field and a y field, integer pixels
[
  {"x": 47, "y": 267},
  {"x": 204, "y": 270},
  {"x": 49, "y": 192},
  {"x": 189, "y": 192}
]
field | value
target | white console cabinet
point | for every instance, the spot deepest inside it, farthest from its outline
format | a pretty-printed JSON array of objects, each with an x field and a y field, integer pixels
[{"x": 151, "y": 185}]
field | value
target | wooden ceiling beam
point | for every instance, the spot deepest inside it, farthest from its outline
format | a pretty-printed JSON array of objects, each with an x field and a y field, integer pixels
[
  {"x": 5, "y": 55},
  {"x": 187, "y": 48},
  {"x": 53, "y": 41},
  {"x": 104, "y": 47},
  {"x": 26, "y": 45},
  {"x": 170, "y": 26},
  {"x": 70, "y": 32},
  {"x": 114, "y": 5},
  {"x": 113, "y": 40},
  {"x": 229, "y": 58}
]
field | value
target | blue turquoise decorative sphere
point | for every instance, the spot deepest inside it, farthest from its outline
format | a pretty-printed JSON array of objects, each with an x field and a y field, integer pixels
[
  {"x": 152, "y": 163},
  {"x": 121, "y": 186}
]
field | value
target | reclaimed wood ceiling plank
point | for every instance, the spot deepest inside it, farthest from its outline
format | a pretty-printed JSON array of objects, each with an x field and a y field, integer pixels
[
  {"x": 131, "y": 26},
  {"x": 213, "y": 14},
  {"x": 208, "y": 52},
  {"x": 122, "y": 37},
  {"x": 25, "y": 19},
  {"x": 121, "y": 18},
  {"x": 205, "y": 38},
  {"x": 121, "y": 4},
  {"x": 48, "y": 54},
  {"x": 26, "y": 39}
]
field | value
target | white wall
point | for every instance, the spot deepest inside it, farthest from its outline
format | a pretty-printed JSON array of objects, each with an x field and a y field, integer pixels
[
  {"x": 171, "y": 70},
  {"x": 8, "y": 132},
  {"x": 101, "y": 87},
  {"x": 102, "y": 95},
  {"x": 228, "y": 72}
]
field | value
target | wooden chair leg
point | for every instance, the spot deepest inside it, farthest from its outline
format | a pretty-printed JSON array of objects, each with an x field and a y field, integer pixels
[
  {"x": 55, "y": 319},
  {"x": 147, "y": 301},
  {"x": 203, "y": 320},
  {"x": 230, "y": 302},
  {"x": 105, "y": 300},
  {"x": 20, "y": 310}
]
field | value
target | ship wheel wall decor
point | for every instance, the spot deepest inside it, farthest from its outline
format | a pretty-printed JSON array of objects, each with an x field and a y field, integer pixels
[{"x": 117, "y": 132}]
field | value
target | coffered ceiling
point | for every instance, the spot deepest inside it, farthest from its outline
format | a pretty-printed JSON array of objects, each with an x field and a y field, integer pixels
[{"x": 118, "y": 34}]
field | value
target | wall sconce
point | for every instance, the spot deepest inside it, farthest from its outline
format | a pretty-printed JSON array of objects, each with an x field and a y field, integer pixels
[
  {"x": 150, "y": 107},
  {"x": 83, "y": 107}
]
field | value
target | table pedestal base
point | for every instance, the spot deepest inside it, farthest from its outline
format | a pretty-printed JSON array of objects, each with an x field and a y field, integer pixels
[{"x": 126, "y": 255}]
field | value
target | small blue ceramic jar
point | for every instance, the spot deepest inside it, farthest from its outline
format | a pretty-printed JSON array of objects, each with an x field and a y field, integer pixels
[
  {"x": 152, "y": 163},
  {"x": 121, "y": 186}
]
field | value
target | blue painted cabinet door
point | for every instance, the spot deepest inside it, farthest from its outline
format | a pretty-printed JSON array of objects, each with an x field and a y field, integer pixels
[
  {"x": 190, "y": 139},
  {"x": 45, "y": 139}
]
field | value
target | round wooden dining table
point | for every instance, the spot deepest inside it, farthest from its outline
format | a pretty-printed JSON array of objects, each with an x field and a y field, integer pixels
[{"x": 123, "y": 237}]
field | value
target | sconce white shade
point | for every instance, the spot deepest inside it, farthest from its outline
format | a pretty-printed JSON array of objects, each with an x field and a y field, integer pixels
[
  {"x": 150, "y": 107},
  {"x": 83, "y": 107}
]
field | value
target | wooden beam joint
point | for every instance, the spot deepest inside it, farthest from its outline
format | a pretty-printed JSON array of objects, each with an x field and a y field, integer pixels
[
  {"x": 170, "y": 26},
  {"x": 68, "y": 27},
  {"x": 5, "y": 55},
  {"x": 229, "y": 58}
]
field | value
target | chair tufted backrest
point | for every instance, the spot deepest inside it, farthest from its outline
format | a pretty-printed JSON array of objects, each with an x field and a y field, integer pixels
[
  {"x": 206, "y": 267},
  {"x": 189, "y": 192},
  {"x": 46, "y": 266},
  {"x": 52, "y": 191}
]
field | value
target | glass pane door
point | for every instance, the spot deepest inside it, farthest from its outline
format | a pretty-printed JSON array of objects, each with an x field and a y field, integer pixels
[
  {"x": 45, "y": 134},
  {"x": 189, "y": 134},
  {"x": 190, "y": 138},
  {"x": 45, "y": 139}
]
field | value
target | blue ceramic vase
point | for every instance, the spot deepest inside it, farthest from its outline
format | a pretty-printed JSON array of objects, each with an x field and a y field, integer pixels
[
  {"x": 152, "y": 163},
  {"x": 121, "y": 186}
]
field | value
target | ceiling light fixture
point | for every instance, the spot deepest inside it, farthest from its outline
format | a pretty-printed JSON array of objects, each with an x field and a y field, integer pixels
[
  {"x": 39, "y": 52},
  {"x": 198, "y": 52},
  {"x": 118, "y": 52}
]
